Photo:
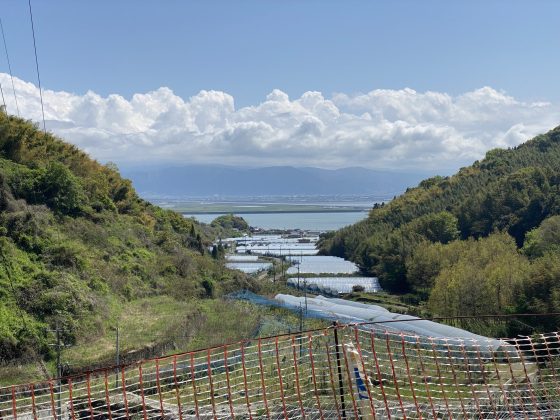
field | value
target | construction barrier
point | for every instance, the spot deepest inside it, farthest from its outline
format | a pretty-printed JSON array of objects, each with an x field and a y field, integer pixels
[{"x": 345, "y": 371}]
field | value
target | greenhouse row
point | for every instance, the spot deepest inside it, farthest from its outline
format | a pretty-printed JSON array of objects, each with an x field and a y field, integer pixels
[
  {"x": 321, "y": 265},
  {"x": 278, "y": 252},
  {"x": 242, "y": 258},
  {"x": 336, "y": 285},
  {"x": 344, "y": 310},
  {"x": 250, "y": 267}
]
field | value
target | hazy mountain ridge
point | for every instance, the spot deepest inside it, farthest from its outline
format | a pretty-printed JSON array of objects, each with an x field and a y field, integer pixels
[{"x": 207, "y": 180}]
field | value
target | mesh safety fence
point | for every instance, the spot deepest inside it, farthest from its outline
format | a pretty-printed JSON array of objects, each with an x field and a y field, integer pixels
[{"x": 345, "y": 371}]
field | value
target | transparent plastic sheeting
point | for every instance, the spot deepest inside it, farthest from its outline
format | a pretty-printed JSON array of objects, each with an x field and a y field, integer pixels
[
  {"x": 249, "y": 267},
  {"x": 321, "y": 264},
  {"x": 272, "y": 239},
  {"x": 336, "y": 285},
  {"x": 344, "y": 309},
  {"x": 278, "y": 252},
  {"x": 295, "y": 248},
  {"x": 276, "y": 242},
  {"x": 344, "y": 371},
  {"x": 242, "y": 258},
  {"x": 276, "y": 245}
]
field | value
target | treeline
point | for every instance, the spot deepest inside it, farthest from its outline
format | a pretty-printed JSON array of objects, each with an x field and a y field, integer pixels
[
  {"x": 76, "y": 241},
  {"x": 469, "y": 244},
  {"x": 230, "y": 225}
]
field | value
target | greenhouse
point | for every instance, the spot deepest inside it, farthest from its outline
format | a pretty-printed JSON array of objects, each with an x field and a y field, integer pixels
[
  {"x": 278, "y": 252},
  {"x": 249, "y": 267},
  {"x": 321, "y": 264},
  {"x": 277, "y": 245},
  {"x": 347, "y": 311},
  {"x": 242, "y": 258},
  {"x": 336, "y": 285}
]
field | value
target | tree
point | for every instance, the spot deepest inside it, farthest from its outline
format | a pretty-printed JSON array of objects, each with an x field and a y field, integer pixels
[
  {"x": 61, "y": 190},
  {"x": 424, "y": 265},
  {"x": 436, "y": 227},
  {"x": 545, "y": 238},
  {"x": 218, "y": 251},
  {"x": 231, "y": 222},
  {"x": 485, "y": 278}
]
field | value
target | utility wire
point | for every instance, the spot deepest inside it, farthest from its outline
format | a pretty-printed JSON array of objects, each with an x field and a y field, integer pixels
[
  {"x": 37, "y": 66},
  {"x": 3, "y": 100},
  {"x": 9, "y": 67}
]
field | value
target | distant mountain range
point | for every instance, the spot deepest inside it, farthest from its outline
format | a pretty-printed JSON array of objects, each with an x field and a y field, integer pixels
[{"x": 208, "y": 180}]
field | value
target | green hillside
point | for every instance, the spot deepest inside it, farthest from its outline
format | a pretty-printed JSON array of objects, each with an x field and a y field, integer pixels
[
  {"x": 466, "y": 243},
  {"x": 78, "y": 247}
]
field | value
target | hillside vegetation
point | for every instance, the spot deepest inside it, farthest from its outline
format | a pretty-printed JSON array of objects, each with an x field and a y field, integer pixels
[
  {"x": 77, "y": 243},
  {"x": 485, "y": 240}
]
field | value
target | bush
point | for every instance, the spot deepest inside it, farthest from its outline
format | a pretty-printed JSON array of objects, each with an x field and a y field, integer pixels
[
  {"x": 208, "y": 286},
  {"x": 61, "y": 190}
]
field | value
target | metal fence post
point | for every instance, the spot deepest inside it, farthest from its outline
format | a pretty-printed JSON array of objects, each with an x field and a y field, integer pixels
[{"x": 339, "y": 369}]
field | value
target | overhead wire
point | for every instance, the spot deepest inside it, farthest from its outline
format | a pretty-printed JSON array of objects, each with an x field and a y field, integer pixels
[
  {"x": 7, "y": 264},
  {"x": 37, "y": 66},
  {"x": 3, "y": 99},
  {"x": 9, "y": 68}
]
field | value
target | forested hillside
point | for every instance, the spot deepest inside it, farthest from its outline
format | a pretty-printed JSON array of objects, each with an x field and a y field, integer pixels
[
  {"x": 483, "y": 240},
  {"x": 76, "y": 242}
]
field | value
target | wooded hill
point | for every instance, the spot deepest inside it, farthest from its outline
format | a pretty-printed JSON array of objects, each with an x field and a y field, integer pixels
[
  {"x": 76, "y": 241},
  {"x": 484, "y": 240}
]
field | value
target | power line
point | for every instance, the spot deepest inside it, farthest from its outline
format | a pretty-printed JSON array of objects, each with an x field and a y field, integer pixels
[
  {"x": 9, "y": 67},
  {"x": 37, "y": 66},
  {"x": 3, "y": 100}
]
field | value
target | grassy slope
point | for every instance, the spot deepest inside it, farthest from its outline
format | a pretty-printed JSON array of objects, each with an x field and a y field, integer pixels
[{"x": 80, "y": 248}]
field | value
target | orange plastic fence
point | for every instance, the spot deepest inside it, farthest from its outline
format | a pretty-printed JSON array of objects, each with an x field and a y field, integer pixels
[{"x": 368, "y": 375}]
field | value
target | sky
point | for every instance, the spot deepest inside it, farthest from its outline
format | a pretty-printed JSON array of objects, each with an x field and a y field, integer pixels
[{"x": 383, "y": 84}]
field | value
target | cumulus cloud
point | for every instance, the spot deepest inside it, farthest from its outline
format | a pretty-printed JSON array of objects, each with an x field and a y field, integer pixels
[{"x": 379, "y": 129}]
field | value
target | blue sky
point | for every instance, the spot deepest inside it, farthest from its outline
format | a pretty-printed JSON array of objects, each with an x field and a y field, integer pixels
[
  {"x": 218, "y": 62},
  {"x": 248, "y": 48}
]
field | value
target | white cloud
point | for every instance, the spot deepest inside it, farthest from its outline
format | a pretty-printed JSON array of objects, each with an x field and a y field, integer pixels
[{"x": 379, "y": 129}]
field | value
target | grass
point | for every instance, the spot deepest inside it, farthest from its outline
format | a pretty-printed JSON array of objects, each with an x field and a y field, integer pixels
[
  {"x": 20, "y": 373},
  {"x": 142, "y": 324},
  {"x": 161, "y": 325}
]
